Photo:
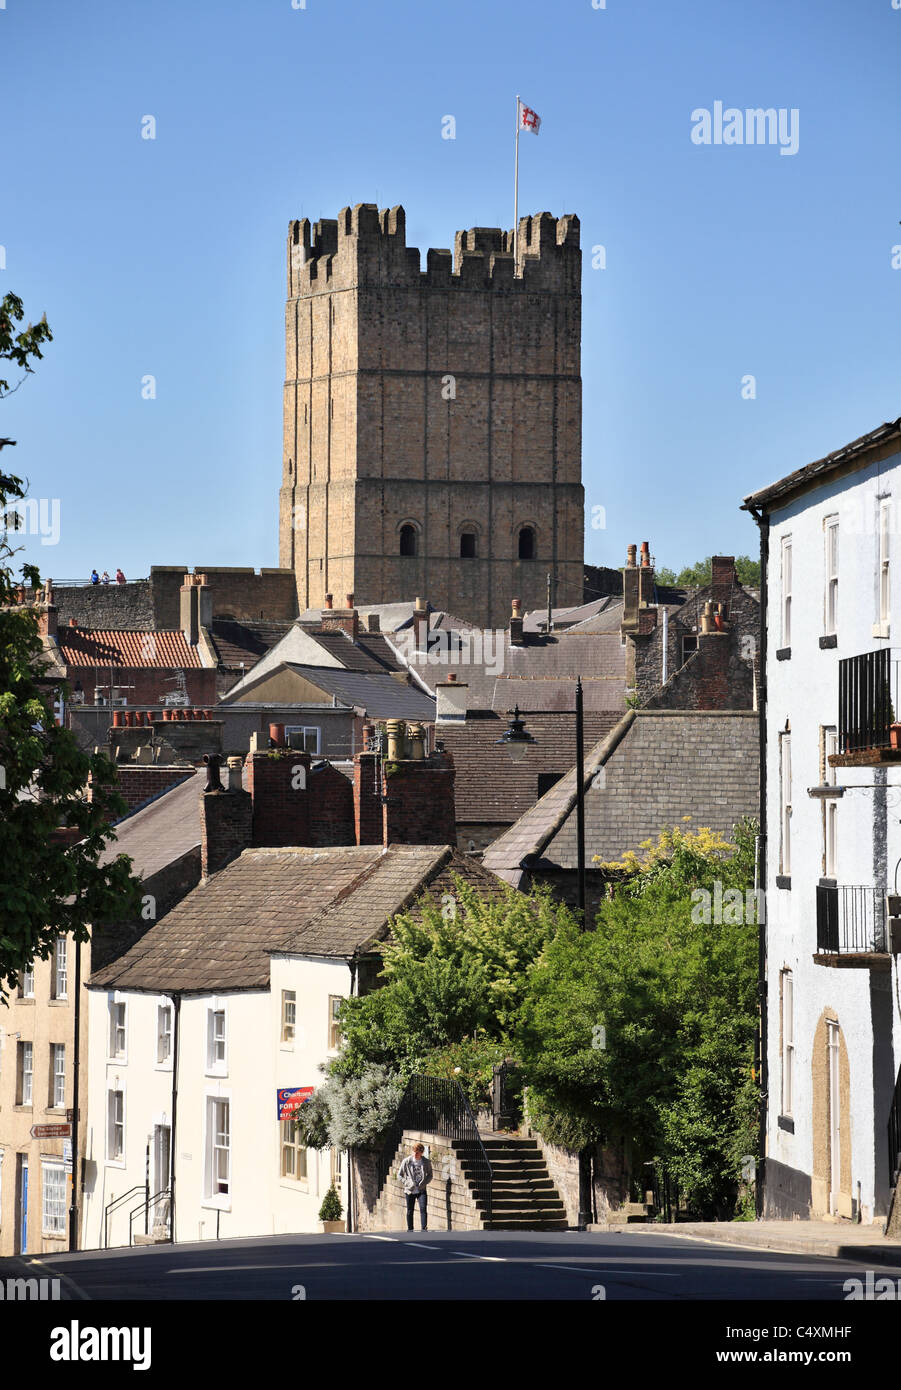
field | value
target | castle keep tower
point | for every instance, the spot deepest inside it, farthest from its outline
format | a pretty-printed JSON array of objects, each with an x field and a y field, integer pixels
[{"x": 432, "y": 435}]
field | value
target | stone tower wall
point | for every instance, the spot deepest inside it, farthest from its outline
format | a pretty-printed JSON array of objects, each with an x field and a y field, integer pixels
[{"x": 448, "y": 398}]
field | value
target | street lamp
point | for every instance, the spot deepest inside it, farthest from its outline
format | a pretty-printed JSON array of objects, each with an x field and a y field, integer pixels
[{"x": 515, "y": 738}]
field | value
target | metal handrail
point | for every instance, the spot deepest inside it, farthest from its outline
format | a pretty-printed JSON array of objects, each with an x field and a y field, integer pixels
[
  {"x": 145, "y": 1206},
  {"x": 437, "y": 1105},
  {"x": 116, "y": 1202}
]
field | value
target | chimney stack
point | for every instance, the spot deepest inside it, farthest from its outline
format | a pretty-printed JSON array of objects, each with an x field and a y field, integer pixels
[
  {"x": 645, "y": 577},
  {"x": 226, "y": 819},
  {"x": 420, "y": 626},
  {"x": 340, "y": 619},
  {"x": 516, "y": 624},
  {"x": 188, "y": 610},
  {"x": 413, "y": 802}
]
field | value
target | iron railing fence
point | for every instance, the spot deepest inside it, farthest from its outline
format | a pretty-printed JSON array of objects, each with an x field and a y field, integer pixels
[
  {"x": 436, "y": 1105},
  {"x": 147, "y": 1206},
  {"x": 868, "y": 700},
  {"x": 850, "y": 919}
]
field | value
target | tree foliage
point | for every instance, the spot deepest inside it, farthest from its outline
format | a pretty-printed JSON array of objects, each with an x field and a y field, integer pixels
[
  {"x": 700, "y": 574},
  {"x": 47, "y": 887},
  {"x": 644, "y": 1028}
]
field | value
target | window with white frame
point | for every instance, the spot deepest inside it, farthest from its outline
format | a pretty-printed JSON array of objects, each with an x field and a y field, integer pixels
[
  {"x": 830, "y": 805},
  {"x": 787, "y": 1008},
  {"x": 885, "y": 596},
  {"x": 115, "y": 1128},
  {"x": 163, "y": 1033},
  {"x": 53, "y": 1198},
  {"x": 26, "y": 986},
  {"x": 831, "y": 595},
  {"x": 215, "y": 1041},
  {"x": 337, "y": 1165},
  {"x": 786, "y": 591},
  {"x": 294, "y": 1154},
  {"x": 289, "y": 1014},
  {"x": 785, "y": 797},
  {"x": 307, "y": 737},
  {"x": 334, "y": 1028},
  {"x": 59, "y": 978},
  {"x": 25, "y": 1073},
  {"x": 57, "y": 1076},
  {"x": 218, "y": 1147},
  {"x": 117, "y": 1029}
]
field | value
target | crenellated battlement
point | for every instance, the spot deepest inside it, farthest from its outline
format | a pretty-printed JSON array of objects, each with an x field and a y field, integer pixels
[{"x": 366, "y": 246}]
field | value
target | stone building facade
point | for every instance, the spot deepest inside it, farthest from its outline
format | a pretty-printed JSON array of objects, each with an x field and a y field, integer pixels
[{"x": 432, "y": 426}]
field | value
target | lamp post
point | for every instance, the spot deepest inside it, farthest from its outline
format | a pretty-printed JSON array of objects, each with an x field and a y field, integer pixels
[{"x": 517, "y": 741}]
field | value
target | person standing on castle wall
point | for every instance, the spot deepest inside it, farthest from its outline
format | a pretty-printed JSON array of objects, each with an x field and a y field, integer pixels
[
  {"x": 416, "y": 1173},
  {"x": 95, "y": 577},
  {"x": 120, "y": 577},
  {"x": 104, "y": 578}
]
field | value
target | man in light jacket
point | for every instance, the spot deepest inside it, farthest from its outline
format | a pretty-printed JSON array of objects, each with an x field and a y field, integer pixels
[{"x": 416, "y": 1173}]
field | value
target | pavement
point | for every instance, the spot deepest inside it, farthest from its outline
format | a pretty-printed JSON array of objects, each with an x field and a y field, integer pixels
[{"x": 840, "y": 1239}]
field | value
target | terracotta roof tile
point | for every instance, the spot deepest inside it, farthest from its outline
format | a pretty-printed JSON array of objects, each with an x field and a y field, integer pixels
[{"x": 93, "y": 647}]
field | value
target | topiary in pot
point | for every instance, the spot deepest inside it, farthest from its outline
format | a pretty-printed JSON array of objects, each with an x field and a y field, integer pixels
[{"x": 331, "y": 1211}]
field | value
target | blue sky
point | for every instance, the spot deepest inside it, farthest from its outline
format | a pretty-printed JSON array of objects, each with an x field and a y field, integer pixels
[{"x": 167, "y": 257}]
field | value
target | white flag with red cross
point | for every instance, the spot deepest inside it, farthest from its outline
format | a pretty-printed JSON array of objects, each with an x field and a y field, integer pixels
[{"x": 529, "y": 119}]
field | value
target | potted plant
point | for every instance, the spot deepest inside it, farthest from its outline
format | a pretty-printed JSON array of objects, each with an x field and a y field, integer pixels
[{"x": 331, "y": 1212}]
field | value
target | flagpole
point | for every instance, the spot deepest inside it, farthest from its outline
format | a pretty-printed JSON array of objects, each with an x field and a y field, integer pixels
[{"x": 516, "y": 196}]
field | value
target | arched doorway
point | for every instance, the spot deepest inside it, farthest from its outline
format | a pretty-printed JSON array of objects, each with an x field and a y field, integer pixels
[{"x": 831, "y": 1189}]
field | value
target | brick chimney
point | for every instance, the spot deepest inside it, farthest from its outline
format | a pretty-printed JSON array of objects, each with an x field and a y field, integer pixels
[
  {"x": 341, "y": 619},
  {"x": 367, "y": 798},
  {"x": 48, "y": 614},
  {"x": 645, "y": 577},
  {"x": 723, "y": 581},
  {"x": 420, "y": 626},
  {"x": 188, "y": 610},
  {"x": 630, "y": 591},
  {"x": 226, "y": 818},
  {"x": 516, "y": 623},
  {"x": 417, "y": 794},
  {"x": 279, "y": 787},
  {"x": 373, "y": 623}
]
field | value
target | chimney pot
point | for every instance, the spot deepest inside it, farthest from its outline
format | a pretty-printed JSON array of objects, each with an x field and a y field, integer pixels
[
  {"x": 235, "y": 769},
  {"x": 328, "y": 600},
  {"x": 73, "y": 623},
  {"x": 631, "y": 552},
  {"x": 645, "y": 554},
  {"x": 350, "y": 600},
  {"x": 277, "y": 735},
  {"x": 452, "y": 677}
]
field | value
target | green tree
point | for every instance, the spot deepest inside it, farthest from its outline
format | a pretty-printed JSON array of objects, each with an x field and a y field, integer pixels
[
  {"x": 451, "y": 971},
  {"x": 700, "y": 574},
  {"x": 644, "y": 1028},
  {"x": 47, "y": 886}
]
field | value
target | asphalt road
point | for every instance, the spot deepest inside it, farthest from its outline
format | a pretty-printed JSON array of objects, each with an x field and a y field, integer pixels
[{"x": 446, "y": 1265}]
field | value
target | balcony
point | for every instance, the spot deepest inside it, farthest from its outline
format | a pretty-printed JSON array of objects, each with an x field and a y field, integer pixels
[
  {"x": 852, "y": 928},
  {"x": 868, "y": 706}
]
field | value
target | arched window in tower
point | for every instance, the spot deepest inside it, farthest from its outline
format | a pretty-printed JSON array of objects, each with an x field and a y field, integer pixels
[
  {"x": 467, "y": 545},
  {"x": 526, "y": 543},
  {"x": 408, "y": 540}
]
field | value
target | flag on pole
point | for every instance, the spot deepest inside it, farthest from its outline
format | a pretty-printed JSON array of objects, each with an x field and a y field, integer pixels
[{"x": 530, "y": 120}]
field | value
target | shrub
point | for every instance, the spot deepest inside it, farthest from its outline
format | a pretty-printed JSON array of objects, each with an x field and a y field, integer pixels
[{"x": 331, "y": 1209}]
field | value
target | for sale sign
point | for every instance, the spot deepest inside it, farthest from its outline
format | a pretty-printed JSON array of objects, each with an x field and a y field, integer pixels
[{"x": 291, "y": 1098}]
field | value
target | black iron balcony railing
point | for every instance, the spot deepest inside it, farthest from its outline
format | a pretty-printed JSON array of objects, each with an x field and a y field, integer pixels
[
  {"x": 850, "y": 920},
  {"x": 868, "y": 701}
]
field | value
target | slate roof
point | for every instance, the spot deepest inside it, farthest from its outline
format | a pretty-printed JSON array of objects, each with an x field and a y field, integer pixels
[
  {"x": 326, "y": 902},
  {"x": 240, "y": 644},
  {"x": 817, "y": 472},
  {"x": 377, "y": 692},
  {"x": 92, "y": 647},
  {"x": 658, "y": 767},
  {"x": 563, "y": 657},
  {"x": 488, "y": 787},
  {"x": 370, "y": 652},
  {"x": 163, "y": 831}
]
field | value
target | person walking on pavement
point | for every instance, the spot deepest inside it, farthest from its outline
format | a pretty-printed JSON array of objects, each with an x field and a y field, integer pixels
[{"x": 416, "y": 1173}]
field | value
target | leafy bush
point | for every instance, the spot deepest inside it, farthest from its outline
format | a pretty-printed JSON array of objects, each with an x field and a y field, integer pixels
[
  {"x": 350, "y": 1111},
  {"x": 471, "y": 1062}
]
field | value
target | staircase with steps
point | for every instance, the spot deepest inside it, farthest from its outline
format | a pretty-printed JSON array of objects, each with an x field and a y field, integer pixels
[{"x": 524, "y": 1197}]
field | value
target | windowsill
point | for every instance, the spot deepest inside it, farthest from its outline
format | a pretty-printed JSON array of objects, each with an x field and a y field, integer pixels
[
  {"x": 827, "y": 882},
  {"x": 295, "y": 1184},
  {"x": 286, "y": 1047},
  {"x": 222, "y": 1202},
  {"x": 62, "y": 999},
  {"x": 117, "y": 1061},
  {"x": 23, "y": 1107},
  {"x": 783, "y": 654},
  {"x": 783, "y": 881},
  {"x": 53, "y": 1235},
  {"x": 216, "y": 1075},
  {"x": 829, "y": 641},
  {"x": 162, "y": 1066},
  {"x": 26, "y": 999},
  {"x": 787, "y": 1123},
  {"x": 115, "y": 1163}
]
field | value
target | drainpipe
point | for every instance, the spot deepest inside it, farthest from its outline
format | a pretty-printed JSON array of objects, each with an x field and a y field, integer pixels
[
  {"x": 176, "y": 1037},
  {"x": 76, "y": 1082},
  {"x": 763, "y": 523},
  {"x": 663, "y": 673}
]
